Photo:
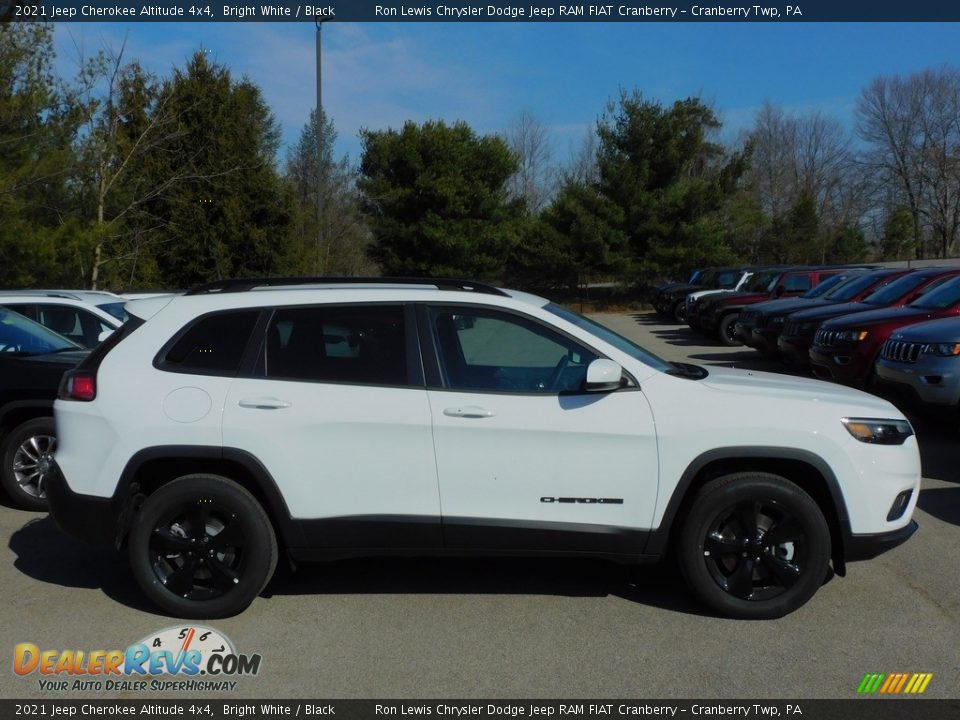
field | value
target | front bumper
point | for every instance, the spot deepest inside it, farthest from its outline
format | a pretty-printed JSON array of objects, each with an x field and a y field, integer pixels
[
  {"x": 840, "y": 365},
  {"x": 764, "y": 340},
  {"x": 94, "y": 520},
  {"x": 933, "y": 380},
  {"x": 795, "y": 350},
  {"x": 866, "y": 547}
]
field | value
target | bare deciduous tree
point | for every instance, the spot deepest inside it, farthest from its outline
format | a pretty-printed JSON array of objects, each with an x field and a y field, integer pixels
[
  {"x": 535, "y": 180},
  {"x": 912, "y": 129}
]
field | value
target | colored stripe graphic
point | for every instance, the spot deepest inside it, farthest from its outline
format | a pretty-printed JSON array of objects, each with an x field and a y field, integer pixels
[{"x": 894, "y": 683}]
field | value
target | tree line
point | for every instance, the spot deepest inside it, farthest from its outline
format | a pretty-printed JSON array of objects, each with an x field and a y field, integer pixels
[{"x": 117, "y": 178}]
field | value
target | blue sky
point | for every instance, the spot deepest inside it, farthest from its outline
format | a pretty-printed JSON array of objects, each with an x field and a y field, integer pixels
[{"x": 377, "y": 75}]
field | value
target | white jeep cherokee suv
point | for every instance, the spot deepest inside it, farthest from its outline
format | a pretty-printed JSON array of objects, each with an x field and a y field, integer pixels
[{"x": 244, "y": 419}]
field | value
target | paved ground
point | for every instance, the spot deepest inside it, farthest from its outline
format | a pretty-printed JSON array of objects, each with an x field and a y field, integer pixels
[{"x": 520, "y": 628}]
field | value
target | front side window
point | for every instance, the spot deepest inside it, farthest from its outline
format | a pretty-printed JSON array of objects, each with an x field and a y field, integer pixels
[
  {"x": 212, "y": 346},
  {"x": 22, "y": 336},
  {"x": 487, "y": 350},
  {"x": 354, "y": 344}
]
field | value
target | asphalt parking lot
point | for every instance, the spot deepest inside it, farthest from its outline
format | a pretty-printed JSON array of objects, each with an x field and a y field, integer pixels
[{"x": 527, "y": 628}]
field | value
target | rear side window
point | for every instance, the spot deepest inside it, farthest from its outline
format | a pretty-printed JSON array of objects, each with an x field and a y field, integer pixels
[
  {"x": 353, "y": 344},
  {"x": 213, "y": 345}
]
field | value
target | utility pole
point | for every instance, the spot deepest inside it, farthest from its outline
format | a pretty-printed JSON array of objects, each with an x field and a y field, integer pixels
[{"x": 320, "y": 152}]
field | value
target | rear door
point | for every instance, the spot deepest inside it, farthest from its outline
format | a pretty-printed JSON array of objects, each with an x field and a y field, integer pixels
[{"x": 337, "y": 412}]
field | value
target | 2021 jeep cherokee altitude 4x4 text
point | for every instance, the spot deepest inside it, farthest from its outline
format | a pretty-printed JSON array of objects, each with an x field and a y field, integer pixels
[{"x": 322, "y": 420}]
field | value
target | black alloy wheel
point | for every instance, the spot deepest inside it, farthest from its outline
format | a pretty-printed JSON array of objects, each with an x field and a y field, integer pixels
[
  {"x": 754, "y": 546},
  {"x": 202, "y": 547}
]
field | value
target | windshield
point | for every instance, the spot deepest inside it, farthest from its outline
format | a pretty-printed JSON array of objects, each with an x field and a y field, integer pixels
[
  {"x": 855, "y": 285},
  {"x": 23, "y": 336},
  {"x": 826, "y": 286},
  {"x": 896, "y": 290},
  {"x": 947, "y": 295},
  {"x": 763, "y": 281},
  {"x": 609, "y": 336},
  {"x": 115, "y": 309}
]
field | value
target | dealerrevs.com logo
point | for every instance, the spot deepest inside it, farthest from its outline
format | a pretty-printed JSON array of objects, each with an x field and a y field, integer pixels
[{"x": 200, "y": 658}]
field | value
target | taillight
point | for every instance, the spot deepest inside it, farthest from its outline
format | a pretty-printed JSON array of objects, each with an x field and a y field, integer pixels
[{"x": 78, "y": 385}]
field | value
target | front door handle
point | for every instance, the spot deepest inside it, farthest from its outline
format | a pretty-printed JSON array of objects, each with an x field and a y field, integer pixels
[
  {"x": 469, "y": 411},
  {"x": 264, "y": 403}
]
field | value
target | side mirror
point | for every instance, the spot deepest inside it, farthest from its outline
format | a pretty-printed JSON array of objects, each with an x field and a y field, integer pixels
[
  {"x": 104, "y": 335},
  {"x": 603, "y": 376}
]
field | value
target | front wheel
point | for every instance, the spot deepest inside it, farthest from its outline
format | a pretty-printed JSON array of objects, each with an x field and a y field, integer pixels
[
  {"x": 202, "y": 547},
  {"x": 27, "y": 462},
  {"x": 728, "y": 329},
  {"x": 754, "y": 546}
]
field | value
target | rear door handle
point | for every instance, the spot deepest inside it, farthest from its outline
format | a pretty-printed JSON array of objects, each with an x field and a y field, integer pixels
[
  {"x": 469, "y": 411},
  {"x": 264, "y": 403}
]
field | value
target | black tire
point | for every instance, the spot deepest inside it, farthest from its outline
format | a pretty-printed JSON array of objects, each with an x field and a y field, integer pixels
[
  {"x": 182, "y": 567},
  {"x": 726, "y": 328},
  {"x": 730, "y": 560},
  {"x": 27, "y": 456},
  {"x": 680, "y": 311}
]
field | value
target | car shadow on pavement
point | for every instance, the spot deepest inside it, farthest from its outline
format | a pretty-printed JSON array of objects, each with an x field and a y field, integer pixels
[
  {"x": 44, "y": 553},
  {"x": 942, "y": 503},
  {"x": 939, "y": 442},
  {"x": 657, "y": 585}
]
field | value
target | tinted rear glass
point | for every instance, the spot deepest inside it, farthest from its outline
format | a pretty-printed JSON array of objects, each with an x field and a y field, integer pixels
[{"x": 213, "y": 345}]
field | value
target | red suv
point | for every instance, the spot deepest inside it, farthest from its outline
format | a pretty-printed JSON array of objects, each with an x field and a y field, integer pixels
[
  {"x": 799, "y": 327},
  {"x": 845, "y": 349}
]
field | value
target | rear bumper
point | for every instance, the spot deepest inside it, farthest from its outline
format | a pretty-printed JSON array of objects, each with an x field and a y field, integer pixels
[
  {"x": 866, "y": 547},
  {"x": 94, "y": 520}
]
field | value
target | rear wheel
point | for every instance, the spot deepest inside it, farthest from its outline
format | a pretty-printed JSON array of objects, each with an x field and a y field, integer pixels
[
  {"x": 754, "y": 546},
  {"x": 27, "y": 462},
  {"x": 202, "y": 547}
]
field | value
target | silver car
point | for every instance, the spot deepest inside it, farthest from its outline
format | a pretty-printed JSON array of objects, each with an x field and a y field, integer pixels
[{"x": 926, "y": 358}]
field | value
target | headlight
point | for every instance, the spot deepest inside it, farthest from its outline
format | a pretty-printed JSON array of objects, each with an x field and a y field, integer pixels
[
  {"x": 779, "y": 320},
  {"x": 878, "y": 431},
  {"x": 852, "y": 335},
  {"x": 943, "y": 349}
]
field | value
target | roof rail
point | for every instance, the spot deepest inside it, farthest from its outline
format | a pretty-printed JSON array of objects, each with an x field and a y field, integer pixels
[{"x": 245, "y": 284}]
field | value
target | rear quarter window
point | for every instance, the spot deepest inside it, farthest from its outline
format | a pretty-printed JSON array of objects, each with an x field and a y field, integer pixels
[{"x": 212, "y": 345}]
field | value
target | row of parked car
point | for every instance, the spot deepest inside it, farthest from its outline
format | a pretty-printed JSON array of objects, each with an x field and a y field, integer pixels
[
  {"x": 868, "y": 327},
  {"x": 43, "y": 333}
]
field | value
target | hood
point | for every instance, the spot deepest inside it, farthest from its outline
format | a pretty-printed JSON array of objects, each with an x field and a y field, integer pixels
[
  {"x": 945, "y": 330},
  {"x": 882, "y": 316},
  {"x": 785, "y": 306},
  {"x": 773, "y": 386},
  {"x": 825, "y": 312}
]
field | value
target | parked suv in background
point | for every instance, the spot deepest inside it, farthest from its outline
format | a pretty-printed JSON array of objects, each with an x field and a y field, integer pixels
[
  {"x": 84, "y": 316},
  {"x": 32, "y": 361},
  {"x": 799, "y": 328},
  {"x": 672, "y": 301},
  {"x": 923, "y": 361},
  {"x": 845, "y": 349},
  {"x": 719, "y": 316},
  {"x": 221, "y": 427}
]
